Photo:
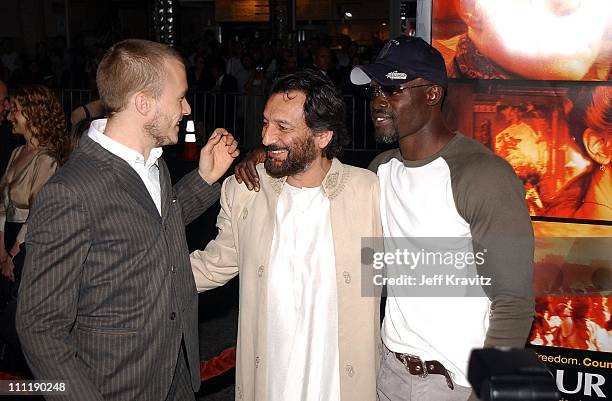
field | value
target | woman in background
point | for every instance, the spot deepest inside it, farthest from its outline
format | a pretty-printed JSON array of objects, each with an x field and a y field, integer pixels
[{"x": 36, "y": 114}]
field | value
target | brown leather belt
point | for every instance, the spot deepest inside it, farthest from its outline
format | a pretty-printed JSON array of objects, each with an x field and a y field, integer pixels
[{"x": 416, "y": 366}]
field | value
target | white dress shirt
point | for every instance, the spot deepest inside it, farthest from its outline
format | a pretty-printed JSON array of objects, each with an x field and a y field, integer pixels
[
  {"x": 302, "y": 306},
  {"x": 148, "y": 170}
]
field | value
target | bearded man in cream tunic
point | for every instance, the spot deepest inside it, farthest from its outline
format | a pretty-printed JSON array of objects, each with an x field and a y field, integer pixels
[{"x": 306, "y": 330}]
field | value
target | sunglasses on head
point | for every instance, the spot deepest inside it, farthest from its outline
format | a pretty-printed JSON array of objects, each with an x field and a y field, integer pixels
[{"x": 389, "y": 90}]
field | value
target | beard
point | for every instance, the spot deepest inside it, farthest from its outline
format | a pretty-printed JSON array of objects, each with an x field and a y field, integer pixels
[
  {"x": 157, "y": 129},
  {"x": 387, "y": 134},
  {"x": 299, "y": 157}
]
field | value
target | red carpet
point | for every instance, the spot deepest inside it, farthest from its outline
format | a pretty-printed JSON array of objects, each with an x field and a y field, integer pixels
[{"x": 218, "y": 365}]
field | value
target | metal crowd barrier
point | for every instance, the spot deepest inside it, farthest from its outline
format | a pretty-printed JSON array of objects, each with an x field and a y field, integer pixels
[{"x": 242, "y": 115}]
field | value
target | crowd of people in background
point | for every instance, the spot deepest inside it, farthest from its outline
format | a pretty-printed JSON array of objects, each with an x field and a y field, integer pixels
[
  {"x": 245, "y": 65},
  {"x": 228, "y": 81}
]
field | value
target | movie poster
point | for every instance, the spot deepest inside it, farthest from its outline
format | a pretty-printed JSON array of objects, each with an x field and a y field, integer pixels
[
  {"x": 572, "y": 330},
  {"x": 580, "y": 375},
  {"x": 530, "y": 79},
  {"x": 572, "y": 281},
  {"x": 568, "y": 40},
  {"x": 558, "y": 139}
]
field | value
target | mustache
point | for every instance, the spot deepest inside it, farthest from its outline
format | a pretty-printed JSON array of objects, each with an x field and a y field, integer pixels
[
  {"x": 270, "y": 148},
  {"x": 381, "y": 113}
]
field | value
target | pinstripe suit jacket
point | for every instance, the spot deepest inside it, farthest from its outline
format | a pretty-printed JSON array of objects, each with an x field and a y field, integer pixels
[{"x": 107, "y": 291}]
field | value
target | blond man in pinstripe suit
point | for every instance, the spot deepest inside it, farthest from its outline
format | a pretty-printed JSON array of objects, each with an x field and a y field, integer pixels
[{"x": 107, "y": 301}]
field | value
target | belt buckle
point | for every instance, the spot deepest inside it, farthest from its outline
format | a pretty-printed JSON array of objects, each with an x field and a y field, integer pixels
[
  {"x": 417, "y": 359},
  {"x": 424, "y": 372}
]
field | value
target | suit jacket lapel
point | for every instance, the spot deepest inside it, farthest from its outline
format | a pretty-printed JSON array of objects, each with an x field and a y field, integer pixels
[
  {"x": 126, "y": 177},
  {"x": 167, "y": 194},
  {"x": 131, "y": 182}
]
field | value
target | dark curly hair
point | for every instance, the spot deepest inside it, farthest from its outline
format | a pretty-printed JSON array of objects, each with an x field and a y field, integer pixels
[
  {"x": 45, "y": 119},
  {"x": 323, "y": 107}
]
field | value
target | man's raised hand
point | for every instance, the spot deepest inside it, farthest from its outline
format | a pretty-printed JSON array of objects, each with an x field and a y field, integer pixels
[{"x": 217, "y": 155}]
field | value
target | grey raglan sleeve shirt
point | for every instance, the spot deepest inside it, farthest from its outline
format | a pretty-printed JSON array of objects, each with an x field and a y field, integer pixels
[{"x": 491, "y": 198}]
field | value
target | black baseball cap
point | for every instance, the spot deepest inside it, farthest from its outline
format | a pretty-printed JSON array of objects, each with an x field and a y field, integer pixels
[{"x": 401, "y": 60}]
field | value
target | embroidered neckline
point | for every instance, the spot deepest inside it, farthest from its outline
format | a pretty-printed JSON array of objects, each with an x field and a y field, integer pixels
[{"x": 333, "y": 183}]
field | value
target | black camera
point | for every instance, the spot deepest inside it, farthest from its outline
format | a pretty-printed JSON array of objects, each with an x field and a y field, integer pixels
[{"x": 510, "y": 375}]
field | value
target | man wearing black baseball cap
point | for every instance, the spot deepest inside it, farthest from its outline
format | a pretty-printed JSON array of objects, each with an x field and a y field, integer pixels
[
  {"x": 442, "y": 184},
  {"x": 402, "y": 60}
]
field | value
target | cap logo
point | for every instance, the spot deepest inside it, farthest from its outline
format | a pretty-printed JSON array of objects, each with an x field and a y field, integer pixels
[{"x": 396, "y": 75}]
